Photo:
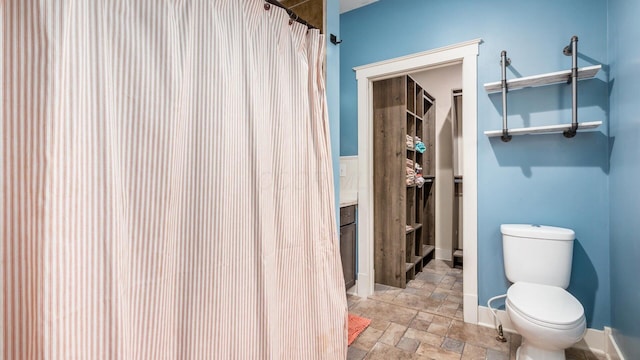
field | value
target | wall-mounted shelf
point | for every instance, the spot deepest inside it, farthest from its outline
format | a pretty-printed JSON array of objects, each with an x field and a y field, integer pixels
[
  {"x": 567, "y": 76},
  {"x": 548, "y": 129},
  {"x": 557, "y": 77}
]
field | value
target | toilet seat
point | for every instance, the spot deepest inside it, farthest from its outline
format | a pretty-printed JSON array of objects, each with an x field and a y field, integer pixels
[{"x": 544, "y": 305}]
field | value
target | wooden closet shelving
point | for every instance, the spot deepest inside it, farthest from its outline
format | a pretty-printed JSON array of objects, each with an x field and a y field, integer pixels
[{"x": 404, "y": 222}]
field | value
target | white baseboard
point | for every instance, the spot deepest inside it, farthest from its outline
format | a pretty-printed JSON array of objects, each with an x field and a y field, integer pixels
[
  {"x": 444, "y": 254},
  {"x": 485, "y": 318},
  {"x": 469, "y": 308},
  {"x": 612, "y": 350},
  {"x": 353, "y": 290},
  {"x": 594, "y": 340},
  {"x": 364, "y": 285}
]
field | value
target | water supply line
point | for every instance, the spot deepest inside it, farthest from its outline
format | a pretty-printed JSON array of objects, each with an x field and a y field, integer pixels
[{"x": 496, "y": 321}]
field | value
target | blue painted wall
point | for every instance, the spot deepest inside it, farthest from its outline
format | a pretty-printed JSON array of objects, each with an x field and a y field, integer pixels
[
  {"x": 544, "y": 179},
  {"x": 624, "y": 58},
  {"x": 333, "y": 93}
]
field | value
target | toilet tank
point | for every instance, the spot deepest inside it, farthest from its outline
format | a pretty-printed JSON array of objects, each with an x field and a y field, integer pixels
[{"x": 537, "y": 253}]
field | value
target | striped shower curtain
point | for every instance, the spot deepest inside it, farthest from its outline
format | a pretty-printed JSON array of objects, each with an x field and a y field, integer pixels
[{"x": 166, "y": 183}]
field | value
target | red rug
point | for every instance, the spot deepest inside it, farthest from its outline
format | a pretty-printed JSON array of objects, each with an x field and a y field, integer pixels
[{"x": 357, "y": 325}]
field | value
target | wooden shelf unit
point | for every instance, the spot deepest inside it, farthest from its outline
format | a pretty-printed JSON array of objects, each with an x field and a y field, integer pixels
[{"x": 404, "y": 214}]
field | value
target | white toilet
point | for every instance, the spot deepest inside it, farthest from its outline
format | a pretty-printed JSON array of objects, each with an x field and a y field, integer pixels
[{"x": 537, "y": 260}]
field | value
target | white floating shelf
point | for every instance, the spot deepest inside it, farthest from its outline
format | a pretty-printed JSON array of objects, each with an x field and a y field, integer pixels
[
  {"x": 543, "y": 79},
  {"x": 548, "y": 129}
]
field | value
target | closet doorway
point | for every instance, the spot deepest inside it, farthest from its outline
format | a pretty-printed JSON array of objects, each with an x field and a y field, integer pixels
[
  {"x": 465, "y": 55},
  {"x": 445, "y": 83}
]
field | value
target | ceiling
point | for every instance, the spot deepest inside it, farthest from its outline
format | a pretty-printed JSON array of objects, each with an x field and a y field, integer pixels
[{"x": 348, "y": 5}]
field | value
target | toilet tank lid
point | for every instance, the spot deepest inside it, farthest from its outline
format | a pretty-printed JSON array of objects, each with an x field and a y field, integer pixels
[{"x": 537, "y": 231}]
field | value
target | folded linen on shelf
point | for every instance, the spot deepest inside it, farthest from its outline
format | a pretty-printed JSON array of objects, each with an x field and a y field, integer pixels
[
  {"x": 409, "y": 162},
  {"x": 409, "y": 141},
  {"x": 411, "y": 176}
]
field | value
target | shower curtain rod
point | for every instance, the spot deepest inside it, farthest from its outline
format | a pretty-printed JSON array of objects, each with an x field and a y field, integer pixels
[{"x": 291, "y": 13}]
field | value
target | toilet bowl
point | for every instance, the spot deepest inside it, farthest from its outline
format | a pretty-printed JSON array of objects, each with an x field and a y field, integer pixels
[
  {"x": 537, "y": 261},
  {"x": 548, "y": 318}
]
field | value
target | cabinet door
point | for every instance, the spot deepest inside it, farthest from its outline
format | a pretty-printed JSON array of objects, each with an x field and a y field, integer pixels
[{"x": 348, "y": 253}]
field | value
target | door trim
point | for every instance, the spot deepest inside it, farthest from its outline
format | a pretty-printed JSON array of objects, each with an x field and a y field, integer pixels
[{"x": 467, "y": 54}]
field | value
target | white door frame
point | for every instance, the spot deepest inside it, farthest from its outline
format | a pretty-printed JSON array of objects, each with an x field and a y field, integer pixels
[{"x": 467, "y": 54}]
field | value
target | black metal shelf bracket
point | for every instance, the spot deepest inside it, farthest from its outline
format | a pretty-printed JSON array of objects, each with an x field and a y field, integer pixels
[
  {"x": 504, "y": 62},
  {"x": 572, "y": 50}
]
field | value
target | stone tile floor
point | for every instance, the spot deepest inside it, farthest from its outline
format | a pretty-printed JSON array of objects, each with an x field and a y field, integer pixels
[{"x": 424, "y": 321}]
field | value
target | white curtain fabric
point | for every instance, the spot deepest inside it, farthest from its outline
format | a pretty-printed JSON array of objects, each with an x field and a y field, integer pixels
[{"x": 168, "y": 190}]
